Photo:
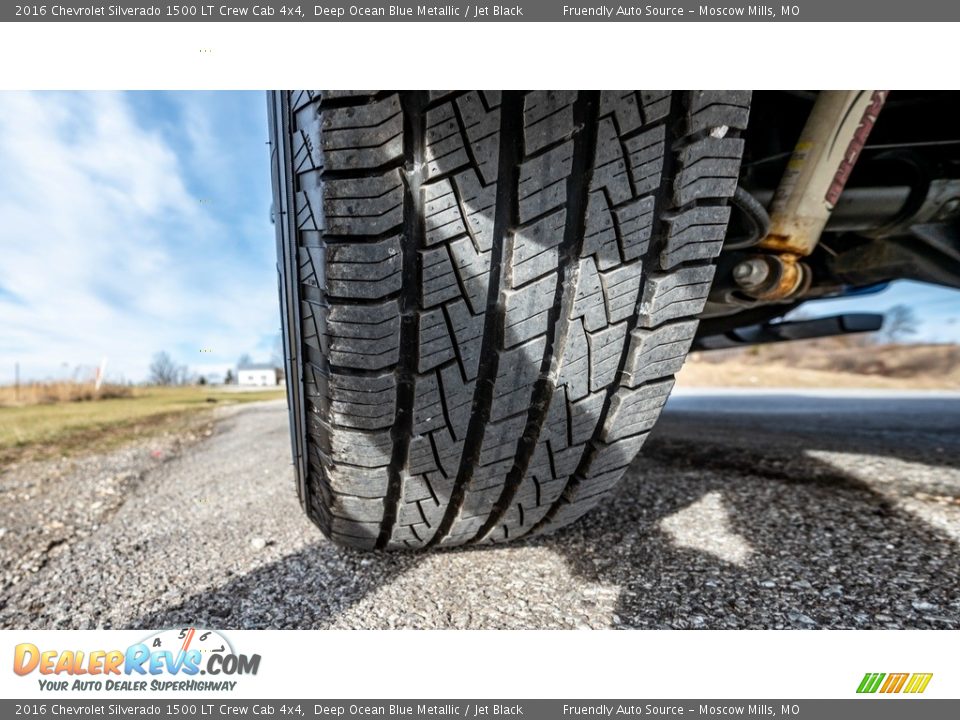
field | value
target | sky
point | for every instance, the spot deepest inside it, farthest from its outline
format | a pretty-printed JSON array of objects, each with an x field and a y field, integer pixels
[
  {"x": 937, "y": 309},
  {"x": 133, "y": 223}
]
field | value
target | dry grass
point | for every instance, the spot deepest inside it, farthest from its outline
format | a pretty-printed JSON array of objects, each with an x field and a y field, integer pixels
[
  {"x": 46, "y": 393},
  {"x": 833, "y": 363},
  {"x": 51, "y": 429}
]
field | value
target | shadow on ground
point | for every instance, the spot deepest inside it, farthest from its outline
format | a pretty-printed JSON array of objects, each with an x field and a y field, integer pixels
[{"x": 728, "y": 521}]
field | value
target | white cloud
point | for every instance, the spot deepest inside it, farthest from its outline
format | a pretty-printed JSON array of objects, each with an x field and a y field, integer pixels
[{"x": 105, "y": 251}]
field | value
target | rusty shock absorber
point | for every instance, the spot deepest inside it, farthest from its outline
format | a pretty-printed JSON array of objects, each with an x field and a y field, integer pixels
[{"x": 818, "y": 170}]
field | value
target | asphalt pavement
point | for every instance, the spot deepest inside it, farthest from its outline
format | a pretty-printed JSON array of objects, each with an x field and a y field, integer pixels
[{"x": 766, "y": 509}]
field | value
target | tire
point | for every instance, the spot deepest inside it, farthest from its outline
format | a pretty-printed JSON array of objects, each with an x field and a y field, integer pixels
[{"x": 486, "y": 295}]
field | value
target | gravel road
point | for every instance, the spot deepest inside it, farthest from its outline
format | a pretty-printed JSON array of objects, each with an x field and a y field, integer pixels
[{"x": 749, "y": 510}]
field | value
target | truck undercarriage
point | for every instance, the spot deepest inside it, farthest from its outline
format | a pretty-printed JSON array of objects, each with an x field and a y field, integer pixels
[{"x": 897, "y": 217}]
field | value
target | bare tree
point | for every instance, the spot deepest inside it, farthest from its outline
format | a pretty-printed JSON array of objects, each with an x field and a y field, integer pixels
[
  {"x": 899, "y": 322},
  {"x": 163, "y": 370},
  {"x": 184, "y": 376},
  {"x": 244, "y": 360}
]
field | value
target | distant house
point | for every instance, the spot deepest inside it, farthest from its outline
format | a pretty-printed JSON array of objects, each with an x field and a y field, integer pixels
[{"x": 258, "y": 374}]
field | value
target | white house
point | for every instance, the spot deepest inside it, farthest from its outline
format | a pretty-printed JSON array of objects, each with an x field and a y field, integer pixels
[{"x": 258, "y": 374}]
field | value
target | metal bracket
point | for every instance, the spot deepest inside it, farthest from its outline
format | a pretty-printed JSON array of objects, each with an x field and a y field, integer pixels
[{"x": 792, "y": 330}]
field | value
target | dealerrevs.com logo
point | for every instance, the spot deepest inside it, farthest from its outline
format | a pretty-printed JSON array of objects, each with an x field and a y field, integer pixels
[
  {"x": 889, "y": 683},
  {"x": 169, "y": 660}
]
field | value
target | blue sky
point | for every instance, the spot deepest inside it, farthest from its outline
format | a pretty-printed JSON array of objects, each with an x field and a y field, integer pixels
[
  {"x": 937, "y": 309},
  {"x": 133, "y": 223},
  {"x": 139, "y": 222}
]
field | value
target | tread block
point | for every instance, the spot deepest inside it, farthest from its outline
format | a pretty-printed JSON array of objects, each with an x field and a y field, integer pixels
[
  {"x": 606, "y": 347},
  {"x": 463, "y": 132},
  {"x": 361, "y": 136},
  {"x": 547, "y": 118},
  {"x": 409, "y": 514},
  {"x": 439, "y": 281},
  {"x": 711, "y": 109},
  {"x": 448, "y": 452},
  {"x": 340, "y": 94},
  {"x": 473, "y": 268},
  {"x": 478, "y": 203},
  {"x": 610, "y": 169},
  {"x": 635, "y": 410},
  {"x": 359, "y": 206},
  {"x": 362, "y": 531},
  {"x": 435, "y": 345},
  {"x": 555, "y": 423},
  {"x": 655, "y": 103},
  {"x": 499, "y": 443},
  {"x": 444, "y": 146},
  {"x": 363, "y": 449},
  {"x": 533, "y": 249},
  {"x": 645, "y": 154},
  {"x": 348, "y": 507},
  {"x": 370, "y": 115},
  {"x": 587, "y": 299},
  {"x": 362, "y": 270},
  {"x": 584, "y": 416},
  {"x": 623, "y": 105},
  {"x": 420, "y": 460},
  {"x": 458, "y": 397},
  {"x": 657, "y": 353},
  {"x": 565, "y": 461},
  {"x": 695, "y": 234},
  {"x": 468, "y": 332},
  {"x": 521, "y": 367},
  {"x": 483, "y": 132},
  {"x": 428, "y": 407},
  {"x": 491, "y": 98},
  {"x": 416, "y": 489},
  {"x": 442, "y": 215},
  {"x": 543, "y": 182},
  {"x": 363, "y": 336},
  {"x": 677, "y": 295},
  {"x": 361, "y": 402},
  {"x": 574, "y": 371},
  {"x": 609, "y": 456},
  {"x": 356, "y": 481},
  {"x": 600, "y": 235},
  {"x": 709, "y": 168},
  {"x": 636, "y": 224},
  {"x": 621, "y": 287},
  {"x": 527, "y": 310}
]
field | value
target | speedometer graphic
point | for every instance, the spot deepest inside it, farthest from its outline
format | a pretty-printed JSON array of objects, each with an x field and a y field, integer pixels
[{"x": 181, "y": 640}]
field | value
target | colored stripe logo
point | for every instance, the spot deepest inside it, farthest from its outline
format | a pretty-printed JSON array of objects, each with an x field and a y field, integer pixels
[{"x": 913, "y": 683}]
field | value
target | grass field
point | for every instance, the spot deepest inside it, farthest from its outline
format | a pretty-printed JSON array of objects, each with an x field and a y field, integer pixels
[{"x": 46, "y": 430}]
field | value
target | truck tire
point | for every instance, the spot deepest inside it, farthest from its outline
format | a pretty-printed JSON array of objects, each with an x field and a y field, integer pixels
[{"x": 485, "y": 296}]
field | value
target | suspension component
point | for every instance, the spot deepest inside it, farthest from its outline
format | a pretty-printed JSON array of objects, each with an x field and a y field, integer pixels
[
  {"x": 771, "y": 277},
  {"x": 818, "y": 170}
]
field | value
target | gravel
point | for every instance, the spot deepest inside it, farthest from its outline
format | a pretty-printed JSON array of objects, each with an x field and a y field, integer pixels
[{"x": 748, "y": 510}]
